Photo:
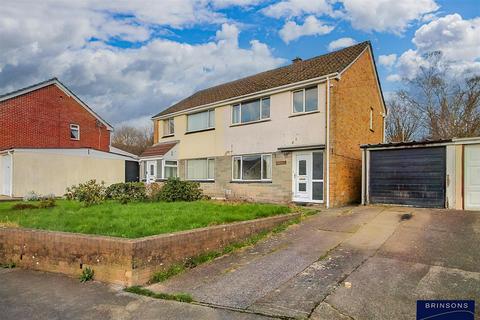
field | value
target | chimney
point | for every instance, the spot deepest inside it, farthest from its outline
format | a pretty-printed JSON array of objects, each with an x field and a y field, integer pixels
[{"x": 297, "y": 59}]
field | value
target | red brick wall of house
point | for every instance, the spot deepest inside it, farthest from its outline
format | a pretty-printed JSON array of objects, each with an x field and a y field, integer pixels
[
  {"x": 42, "y": 118},
  {"x": 351, "y": 99}
]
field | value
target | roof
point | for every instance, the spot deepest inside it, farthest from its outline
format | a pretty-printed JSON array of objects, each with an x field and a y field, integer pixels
[
  {"x": 158, "y": 149},
  {"x": 405, "y": 144},
  {"x": 323, "y": 65},
  {"x": 61, "y": 86}
]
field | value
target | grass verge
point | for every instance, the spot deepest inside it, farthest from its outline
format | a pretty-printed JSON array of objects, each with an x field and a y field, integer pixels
[
  {"x": 209, "y": 256},
  {"x": 182, "y": 297}
]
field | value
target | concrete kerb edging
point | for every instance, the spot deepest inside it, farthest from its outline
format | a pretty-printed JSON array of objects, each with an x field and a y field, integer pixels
[{"x": 117, "y": 260}]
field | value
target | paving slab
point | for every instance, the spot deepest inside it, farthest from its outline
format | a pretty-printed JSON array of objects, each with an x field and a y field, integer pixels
[
  {"x": 302, "y": 293},
  {"x": 385, "y": 288},
  {"x": 438, "y": 237},
  {"x": 239, "y": 286},
  {"x": 26, "y": 294}
]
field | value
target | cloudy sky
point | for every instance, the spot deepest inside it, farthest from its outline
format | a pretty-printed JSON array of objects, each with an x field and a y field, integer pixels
[{"x": 131, "y": 59}]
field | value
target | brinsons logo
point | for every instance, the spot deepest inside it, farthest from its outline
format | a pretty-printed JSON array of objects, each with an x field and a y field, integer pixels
[{"x": 445, "y": 309}]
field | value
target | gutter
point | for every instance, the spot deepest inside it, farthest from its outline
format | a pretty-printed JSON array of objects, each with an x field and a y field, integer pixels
[{"x": 246, "y": 96}]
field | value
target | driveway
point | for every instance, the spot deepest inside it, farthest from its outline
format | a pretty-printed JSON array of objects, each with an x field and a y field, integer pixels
[{"x": 348, "y": 263}]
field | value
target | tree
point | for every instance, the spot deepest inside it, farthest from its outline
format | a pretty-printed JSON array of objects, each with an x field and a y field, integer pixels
[
  {"x": 447, "y": 104},
  {"x": 403, "y": 123},
  {"x": 133, "y": 140}
]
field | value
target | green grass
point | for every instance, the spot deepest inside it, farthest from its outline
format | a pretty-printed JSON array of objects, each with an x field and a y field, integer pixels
[
  {"x": 135, "y": 219},
  {"x": 182, "y": 297}
]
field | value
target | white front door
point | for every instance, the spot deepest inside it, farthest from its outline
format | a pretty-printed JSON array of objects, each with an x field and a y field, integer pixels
[
  {"x": 302, "y": 176},
  {"x": 308, "y": 176},
  {"x": 6, "y": 174},
  {"x": 472, "y": 177},
  {"x": 151, "y": 171}
]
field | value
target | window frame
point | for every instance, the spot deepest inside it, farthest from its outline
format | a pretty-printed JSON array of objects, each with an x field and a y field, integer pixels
[
  {"x": 371, "y": 119},
  {"x": 261, "y": 167},
  {"x": 208, "y": 167},
  {"x": 240, "y": 104},
  {"x": 210, "y": 112},
  {"x": 165, "y": 165},
  {"x": 74, "y": 126},
  {"x": 303, "y": 90},
  {"x": 166, "y": 127}
]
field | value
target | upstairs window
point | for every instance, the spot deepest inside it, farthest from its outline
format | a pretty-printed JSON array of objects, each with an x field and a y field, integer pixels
[
  {"x": 74, "y": 132},
  {"x": 168, "y": 127},
  {"x": 305, "y": 100},
  {"x": 201, "y": 121},
  {"x": 250, "y": 111}
]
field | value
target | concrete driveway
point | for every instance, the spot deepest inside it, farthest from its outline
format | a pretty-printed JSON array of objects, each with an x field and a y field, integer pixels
[{"x": 349, "y": 263}]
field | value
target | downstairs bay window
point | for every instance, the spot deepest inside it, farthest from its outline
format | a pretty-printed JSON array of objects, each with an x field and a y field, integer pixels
[
  {"x": 200, "y": 169},
  {"x": 252, "y": 167},
  {"x": 170, "y": 169}
]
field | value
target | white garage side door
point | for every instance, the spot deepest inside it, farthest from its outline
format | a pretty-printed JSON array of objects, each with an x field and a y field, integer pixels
[
  {"x": 472, "y": 177},
  {"x": 6, "y": 175}
]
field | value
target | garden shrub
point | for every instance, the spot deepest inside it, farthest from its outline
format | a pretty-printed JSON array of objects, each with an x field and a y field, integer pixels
[
  {"x": 178, "y": 190},
  {"x": 89, "y": 193},
  {"x": 126, "y": 192},
  {"x": 87, "y": 274},
  {"x": 31, "y": 196},
  {"x": 47, "y": 203},
  {"x": 23, "y": 206}
]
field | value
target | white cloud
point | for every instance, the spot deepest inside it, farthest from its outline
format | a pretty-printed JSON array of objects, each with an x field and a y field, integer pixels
[
  {"x": 341, "y": 43},
  {"x": 241, "y": 3},
  {"x": 295, "y": 8},
  {"x": 311, "y": 26},
  {"x": 454, "y": 36},
  {"x": 394, "y": 77},
  {"x": 387, "y": 60},
  {"x": 386, "y": 15},
  {"x": 121, "y": 84}
]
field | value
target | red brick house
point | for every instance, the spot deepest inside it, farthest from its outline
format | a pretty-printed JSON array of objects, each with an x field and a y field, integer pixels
[
  {"x": 48, "y": 115},
  {"x": 50, "y": 139}
]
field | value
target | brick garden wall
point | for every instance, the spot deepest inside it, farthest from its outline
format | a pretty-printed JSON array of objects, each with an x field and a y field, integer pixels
[
  {"x": 351, "y": 99},
  {"x": 116, "y": 260},
  {"x": 42, "y": 118}
]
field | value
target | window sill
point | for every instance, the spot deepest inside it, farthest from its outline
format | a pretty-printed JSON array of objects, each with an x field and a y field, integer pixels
[
  {"x": 251, "y": 122},
  {"x": 168, "y": 135},
  {"x": 303, "y": 113},
  {"x": 201, "y": 180},
  {"x": 74, "y": 139},
  {"x": 203, "y": 130},
  {"x": 251, "y": 181}
]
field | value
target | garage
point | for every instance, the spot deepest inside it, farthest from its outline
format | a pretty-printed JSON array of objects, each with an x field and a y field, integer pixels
[
  {"x": 430, "y": 174},
  {"x": 409, "y": 176}
]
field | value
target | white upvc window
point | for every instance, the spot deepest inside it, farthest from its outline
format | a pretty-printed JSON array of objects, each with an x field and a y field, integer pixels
[
  {"x": 256, "y": 167},
  {"x": 201, "y": 121},
  {"x": 305, "y": 100},
  {"x": 200, "y": 169},
  {"x": 170, "y": 169},
  {"x": 168, "y": 127},
  {"x": 74, "y": 131},
  {"x": 251, "y": 111},
  {"x": 371, "y": 119}
]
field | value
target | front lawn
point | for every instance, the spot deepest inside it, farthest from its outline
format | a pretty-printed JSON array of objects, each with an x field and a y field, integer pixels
[{"x": 134, "y": 220}]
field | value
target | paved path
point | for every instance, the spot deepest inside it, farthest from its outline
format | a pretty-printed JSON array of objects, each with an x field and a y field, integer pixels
[{"x": 349, "y": 263}]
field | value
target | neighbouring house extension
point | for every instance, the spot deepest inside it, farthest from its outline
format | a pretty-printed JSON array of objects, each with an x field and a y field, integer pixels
[
  {"x": 50, "y": 139},
  {"x": 288, "y": 134}
]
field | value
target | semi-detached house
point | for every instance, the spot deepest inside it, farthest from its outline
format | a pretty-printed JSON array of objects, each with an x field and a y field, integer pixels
[{"x": 288, "y": 134}]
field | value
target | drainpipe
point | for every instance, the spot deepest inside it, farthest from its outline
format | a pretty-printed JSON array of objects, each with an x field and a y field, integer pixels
[
  {"x": 327, "y": 144},
  {"x": 10, "y": 153}
]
